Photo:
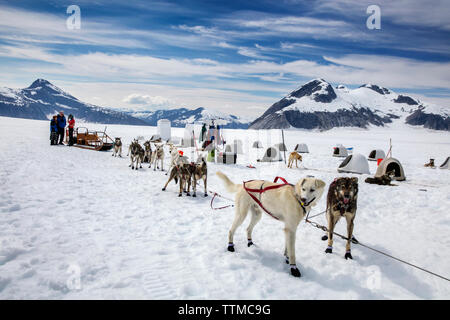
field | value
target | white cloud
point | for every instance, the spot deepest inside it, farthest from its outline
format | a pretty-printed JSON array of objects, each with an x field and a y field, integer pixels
[
  {"x": 145, "y": 100},
  {"x": 210, "y": 83},
  {"x": 432, "y": 13}
]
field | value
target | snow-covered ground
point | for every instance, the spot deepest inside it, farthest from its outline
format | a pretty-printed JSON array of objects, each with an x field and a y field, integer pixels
[{"x": 80, "y": 224}]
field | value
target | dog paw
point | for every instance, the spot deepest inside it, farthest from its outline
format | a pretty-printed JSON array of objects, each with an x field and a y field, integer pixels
[
  {"x": 249, "y": 243},
  {"x": 329, "y": 250},
  {"x": 295, "y": 272},
  {"x": 231, "y": 247},
  {"x": 194, "y": 195},
  {"x": 348, "y": 255},
  {"x": 206, "y": 194},
  {"x": 324, "y": 238},
  {"x": 179, "y": 194},
  {"x": 163, "y": 189},
  {"x": 286, "y": 259},
  {"x": 188, "y": 194}
]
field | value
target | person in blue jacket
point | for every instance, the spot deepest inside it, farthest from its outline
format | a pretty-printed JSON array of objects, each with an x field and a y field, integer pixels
[
  {"x": 54, "y": 130},
  {"x": 61, "y": 126}
]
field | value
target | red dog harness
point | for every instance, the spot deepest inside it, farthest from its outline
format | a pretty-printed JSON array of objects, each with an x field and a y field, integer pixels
[{"x": 262, "y": 190}]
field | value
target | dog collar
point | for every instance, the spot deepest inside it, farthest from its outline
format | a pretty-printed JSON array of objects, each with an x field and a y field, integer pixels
[{"x": 303, "y": 205}]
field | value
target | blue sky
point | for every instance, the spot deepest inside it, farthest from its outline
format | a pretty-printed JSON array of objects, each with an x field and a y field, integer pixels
[{"x": 233, "y": 56}]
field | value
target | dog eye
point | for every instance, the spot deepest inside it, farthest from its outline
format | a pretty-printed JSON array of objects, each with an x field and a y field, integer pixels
[{"x": 312, "y": 190}]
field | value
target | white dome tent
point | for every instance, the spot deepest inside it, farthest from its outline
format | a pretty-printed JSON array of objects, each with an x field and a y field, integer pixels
[
  {"x": 391, "y": 164},
  {"x": 376, "y": 154},
  {"x": 272, "y": 154},
  {"x": 446, "y": 164},
  {"x": 301, "y": 148},
  {"x": 340, "y": 151},
  {"x": 355, "y": 163},
  {"x": 257, "y": 145},
  {"x": 164, "y": 129},
  {"x": 281, "y": 146}
]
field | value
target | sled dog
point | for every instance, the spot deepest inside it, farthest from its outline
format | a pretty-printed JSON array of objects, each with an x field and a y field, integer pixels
[
  {"x": 341, "y": 202},
  {"x": 179, "y": 173},
  {"x": 198, "y": 171},
  {"x": 384, "y": 180},
  {"x": 289, "y": 204},
  {"x": 147, "y": 152},
  {"x": 158, "y": 155},
  {"x": 117, "y": 151},
  {"x": 294, "y": 156},
  {"x": 136, "y": 155}
]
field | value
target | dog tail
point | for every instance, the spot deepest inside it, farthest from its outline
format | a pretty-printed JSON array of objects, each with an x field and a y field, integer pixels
[{"x": 229, "y": 185}]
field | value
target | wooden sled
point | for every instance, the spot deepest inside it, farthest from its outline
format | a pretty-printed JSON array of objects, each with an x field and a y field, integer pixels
[{"x": 91, "y": 140}]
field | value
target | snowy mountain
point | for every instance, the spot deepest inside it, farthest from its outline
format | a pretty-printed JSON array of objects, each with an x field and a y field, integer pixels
[
  {"x": 180, "y": 116},
  {"x": 317, "y": 104},
  {"x": 42, "y": 99}
]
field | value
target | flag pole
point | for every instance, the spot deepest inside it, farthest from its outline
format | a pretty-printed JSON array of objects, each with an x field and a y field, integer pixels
[{"x": 282, "y": 134}]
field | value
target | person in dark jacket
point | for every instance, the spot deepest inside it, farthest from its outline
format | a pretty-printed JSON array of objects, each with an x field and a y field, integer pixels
[
  {"x": 71, "y": 127},
  {"x": 203, "y": 133},
  {"x": 54, "y": 130},
  {"x": 61, "y": 126}
]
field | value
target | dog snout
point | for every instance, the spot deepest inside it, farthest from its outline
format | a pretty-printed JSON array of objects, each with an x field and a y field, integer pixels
[{"x": 303, "y": 199}]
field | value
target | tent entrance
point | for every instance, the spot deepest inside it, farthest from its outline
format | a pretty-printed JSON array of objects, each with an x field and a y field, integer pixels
[
  {"x": 346, "y": 161},
  {"x": 394, "y": 166}
]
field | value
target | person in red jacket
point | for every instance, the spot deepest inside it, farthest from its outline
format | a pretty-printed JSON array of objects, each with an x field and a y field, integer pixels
[{"x": 71, "y": 127}]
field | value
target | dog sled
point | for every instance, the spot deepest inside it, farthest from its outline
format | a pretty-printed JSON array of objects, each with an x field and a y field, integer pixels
[{"x": 92, "y": 140}]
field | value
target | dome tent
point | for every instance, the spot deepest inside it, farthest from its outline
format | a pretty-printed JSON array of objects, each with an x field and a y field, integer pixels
[
  {"x": 355, "y": 163},
  {"x": 376, "y": 154},
  {"x": 301, "y": 148},
  {"x": 281, "y": 146},
  {"x": 257, "y": 144},
  {"x": 391, "y": 164},
  {"x": 272, "y": 154},
  {"x": 340, "y": 151},
  {"x": 446, "y": 164}
]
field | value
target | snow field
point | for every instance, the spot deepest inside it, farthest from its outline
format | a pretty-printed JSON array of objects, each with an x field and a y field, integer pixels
[{"x": 80, "y": 224}]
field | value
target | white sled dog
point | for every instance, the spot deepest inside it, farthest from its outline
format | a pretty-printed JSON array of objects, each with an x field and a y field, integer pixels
[
  {"x": 288, "y": 204},
  {"x": 158, "y": 155}
]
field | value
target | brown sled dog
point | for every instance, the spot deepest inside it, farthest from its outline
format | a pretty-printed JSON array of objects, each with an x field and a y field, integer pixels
[
  {"x": 179, "y": 173},
  {"x": 384, "y": 180},
  {"x": 197, "y": 171},
  {"x": 341, "y": 202},
  {"x": 294, "y": 156},
  {"x": 430, "y": 164}
]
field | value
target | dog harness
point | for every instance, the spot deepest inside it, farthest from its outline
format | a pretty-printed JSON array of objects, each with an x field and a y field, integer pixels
[{"x": 261, "y": 190}]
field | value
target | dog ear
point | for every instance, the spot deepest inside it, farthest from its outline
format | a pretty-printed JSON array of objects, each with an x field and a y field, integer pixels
[
  {"x": 320, "y": 183},
  {"x": 355, "y": 179}
]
